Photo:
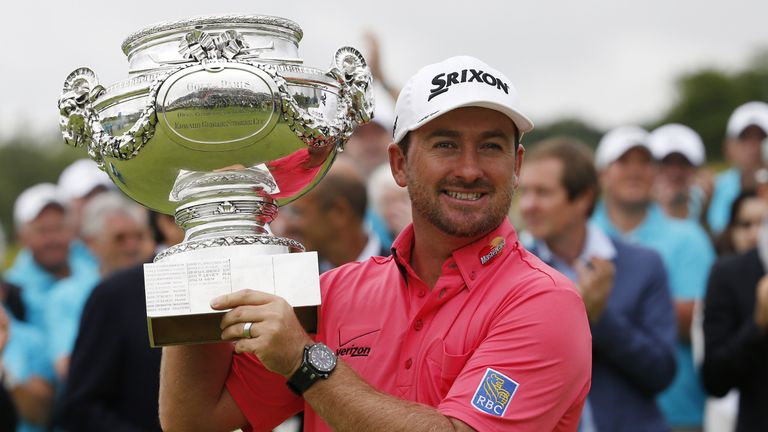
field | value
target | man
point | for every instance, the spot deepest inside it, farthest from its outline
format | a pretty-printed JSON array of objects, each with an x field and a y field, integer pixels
[
  {"x": 114, "y": 373},
  {"x": 682, "y": 190},
  {"x": 115, "y": 231},
  {"x": 736, "y": 333},
  {"x": 45, "y": 257},
  {"x": 624, "y": 288},
  {"x": 459, "y": 329},
  {"x": 747, "y": 128},
  {"x": 330, "y": 219},
  {"x": 78, "y": 183},
  {"x": 628, "y": 171}
]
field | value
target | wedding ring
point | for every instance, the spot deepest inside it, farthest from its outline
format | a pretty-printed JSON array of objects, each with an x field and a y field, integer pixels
[{"x": 247, "y": 330}]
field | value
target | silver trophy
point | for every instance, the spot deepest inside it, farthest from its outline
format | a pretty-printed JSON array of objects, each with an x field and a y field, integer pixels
[{"x": 219, "y": 123}]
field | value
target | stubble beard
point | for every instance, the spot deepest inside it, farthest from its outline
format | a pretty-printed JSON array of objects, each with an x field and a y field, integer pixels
[{"x": 426, "y": 202}]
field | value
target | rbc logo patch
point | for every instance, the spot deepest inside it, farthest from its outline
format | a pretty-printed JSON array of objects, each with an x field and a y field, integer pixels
[{"x": 494, "y": 393}]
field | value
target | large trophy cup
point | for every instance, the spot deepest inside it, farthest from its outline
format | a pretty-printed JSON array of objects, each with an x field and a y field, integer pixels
[{"x": 219, "y": 123}]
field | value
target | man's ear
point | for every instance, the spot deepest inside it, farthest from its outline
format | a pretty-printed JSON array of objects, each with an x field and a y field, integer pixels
[
  {"x": 519, "y": 156},
  {"x": 397, "y": 164}
]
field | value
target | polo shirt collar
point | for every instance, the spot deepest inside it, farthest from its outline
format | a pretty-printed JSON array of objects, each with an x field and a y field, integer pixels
[{"x": 473, "y": 261}]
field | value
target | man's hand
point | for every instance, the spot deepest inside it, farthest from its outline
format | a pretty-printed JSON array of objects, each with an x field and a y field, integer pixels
[
  {"x": 594, "y": 284},
  {"x": 276, "y": 336},
  {"x": 761, "y": 304}
]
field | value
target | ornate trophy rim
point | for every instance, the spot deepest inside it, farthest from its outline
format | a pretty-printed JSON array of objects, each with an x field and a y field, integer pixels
[{"x": 165, "y": 26}]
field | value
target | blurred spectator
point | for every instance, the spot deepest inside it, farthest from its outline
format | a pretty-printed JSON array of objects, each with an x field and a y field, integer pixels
[
  {"x": 746, "y": 130},
  {"x": 42, "y": 232},
  {"x": 28, "y": 376},
  {"x": 624, "y": 288},
  {"x": 77, "y": 184},
  {"x": 389, "y": 200},
  {"x": 115, "y": 230},
  {"x": 330, "y": 219},
  {"x": 8, "y": 417},
  {"x": 746, "y": 216},
  {"x": 736, "y": 333},
  {"x": 627, "y": 174},
  {"x": 114, "y": 373},
  {"x": 683, "y": 186},
  {"x": 367, "y": 147}
]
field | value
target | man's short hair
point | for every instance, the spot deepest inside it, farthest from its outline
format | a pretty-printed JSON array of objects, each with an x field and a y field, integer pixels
[
  {"x": 346, "y": 187},
  {"x": 579, "y": 174},
  {"x": 101, "y": 207}
]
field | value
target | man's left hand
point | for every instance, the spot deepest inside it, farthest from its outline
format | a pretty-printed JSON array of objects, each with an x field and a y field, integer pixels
[{"x": 276, "y": 336}]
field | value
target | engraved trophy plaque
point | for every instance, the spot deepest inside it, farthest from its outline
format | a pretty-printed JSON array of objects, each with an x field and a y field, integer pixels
[{"x": 219, "y": 123}]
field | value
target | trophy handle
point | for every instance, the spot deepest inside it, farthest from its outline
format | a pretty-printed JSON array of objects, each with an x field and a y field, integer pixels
[
  {"x": 80, "y": 124},
  {"x": 355, "y": 105}
]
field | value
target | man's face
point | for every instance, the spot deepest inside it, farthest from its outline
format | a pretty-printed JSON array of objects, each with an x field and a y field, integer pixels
[
  {"x": 629, "y": 180},
  {"x": 305, "y": 221},
  {"x": 544, "y": 203},
  {"x": 461, "y": 171},
  {"x": 368, "y": 146},
  {"x": 745, "y": 150},
  {"x": 676, "y": 173},
  {"x": 47, "y": 237},
  {"x": 121, "y": 244}
]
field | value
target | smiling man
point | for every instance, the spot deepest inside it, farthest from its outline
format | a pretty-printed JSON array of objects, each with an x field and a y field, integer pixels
[
  {"x": 627, "y": 173},
  {"x": 459, "y": 329}
]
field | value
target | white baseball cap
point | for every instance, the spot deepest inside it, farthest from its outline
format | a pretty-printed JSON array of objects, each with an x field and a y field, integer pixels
[
  {"x": 677, "y": 138},
  {"x": 618, "y": 141},
  {"x": 461, "y": 81},
  {"x": 32, "y": 201},
  {"x": 753, "y": 113},
  {"x": 80, "y": 178}
]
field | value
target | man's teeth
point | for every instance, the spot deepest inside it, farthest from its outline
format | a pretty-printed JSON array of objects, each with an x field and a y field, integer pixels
[{"x": 464, "y": 196}]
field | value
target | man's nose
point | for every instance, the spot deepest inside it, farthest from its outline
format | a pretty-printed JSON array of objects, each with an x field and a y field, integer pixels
[{"x": 469, "y": 168}]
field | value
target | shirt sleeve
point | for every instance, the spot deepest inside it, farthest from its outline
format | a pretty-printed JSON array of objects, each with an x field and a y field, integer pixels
[
  {"x": 262, "y": 396},
  {"x": 532, "y": 372}
]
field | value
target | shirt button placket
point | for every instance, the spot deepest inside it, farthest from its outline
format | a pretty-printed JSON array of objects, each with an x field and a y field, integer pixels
[{"x": 418, "y": 325}]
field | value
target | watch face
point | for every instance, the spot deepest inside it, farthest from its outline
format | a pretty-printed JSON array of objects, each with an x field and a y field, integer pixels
[{"x": 321, "y": 358}]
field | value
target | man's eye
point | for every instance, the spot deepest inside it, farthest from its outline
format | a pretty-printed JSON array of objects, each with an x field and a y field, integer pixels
[
  {"x": 491, "y": 146},
  {"x": 445, "y": 145}
]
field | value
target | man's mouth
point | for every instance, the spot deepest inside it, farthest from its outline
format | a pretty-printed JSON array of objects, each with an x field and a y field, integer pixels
[{"x": 465, "y": 196}]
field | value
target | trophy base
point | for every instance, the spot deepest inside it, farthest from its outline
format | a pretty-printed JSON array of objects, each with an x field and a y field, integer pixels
[
  {"x": 204, "y": 328},
  {"x": 179, "y": 289}
]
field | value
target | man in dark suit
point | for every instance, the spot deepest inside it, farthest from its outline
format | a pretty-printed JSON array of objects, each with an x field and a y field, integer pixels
[{"x": 736, "y": 333}]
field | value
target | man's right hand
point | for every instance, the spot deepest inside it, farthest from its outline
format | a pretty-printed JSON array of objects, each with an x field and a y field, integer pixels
[{"x": 595, "y": 283}]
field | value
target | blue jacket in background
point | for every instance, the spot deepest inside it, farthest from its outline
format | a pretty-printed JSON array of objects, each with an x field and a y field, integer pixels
[{"x": 633, "y": 344}]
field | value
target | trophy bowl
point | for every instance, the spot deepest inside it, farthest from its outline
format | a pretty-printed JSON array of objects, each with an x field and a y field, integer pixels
[{"x": 219, "y": 123}]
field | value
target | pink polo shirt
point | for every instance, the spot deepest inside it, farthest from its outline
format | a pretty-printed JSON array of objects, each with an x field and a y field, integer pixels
[{"x": 501, "y": 342}]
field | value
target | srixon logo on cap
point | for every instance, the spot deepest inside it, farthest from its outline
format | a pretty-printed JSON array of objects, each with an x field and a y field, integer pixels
[
  {"x": 444, "y": 81},
  {"x": 492, "y": 250}
]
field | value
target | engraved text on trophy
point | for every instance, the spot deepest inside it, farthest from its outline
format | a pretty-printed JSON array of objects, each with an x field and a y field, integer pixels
[{"x": 209, "y": 106}]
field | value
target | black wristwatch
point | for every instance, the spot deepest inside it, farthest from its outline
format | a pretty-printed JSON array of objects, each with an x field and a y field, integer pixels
[{"x": 318, "y": 362}]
